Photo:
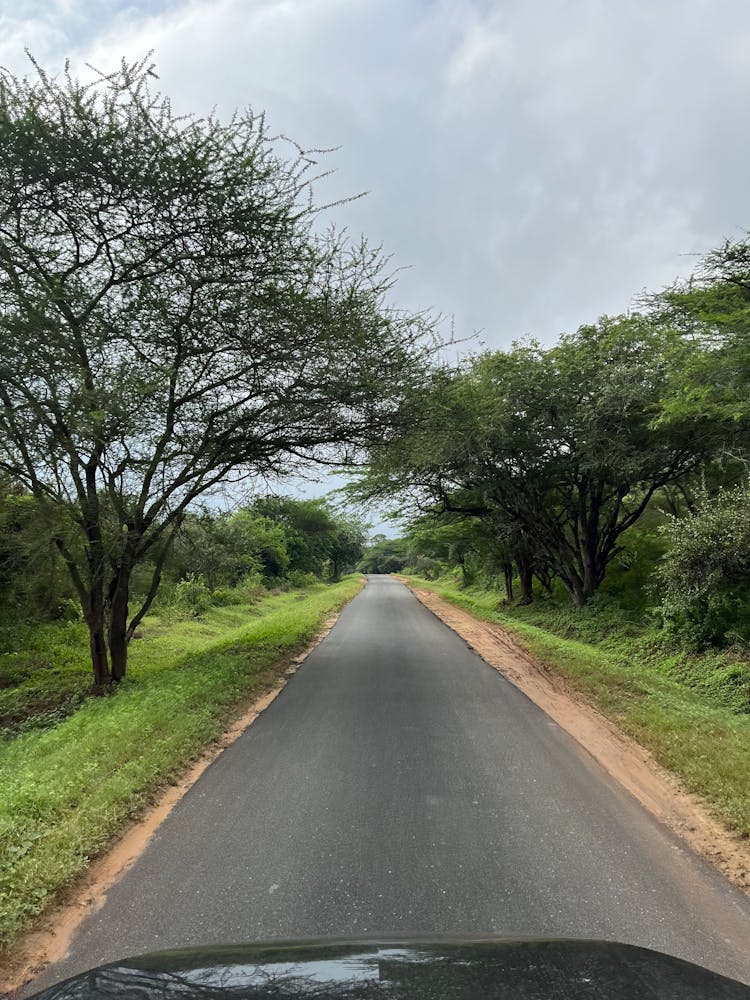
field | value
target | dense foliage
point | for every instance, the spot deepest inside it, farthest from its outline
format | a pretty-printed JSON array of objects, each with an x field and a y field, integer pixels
[
  {"x": 706, "y": 578},
  {"x": 615, "y": 459},
  {"x": 273, "y": 541},
  {"x": 384, "y": 555},
  {"x": 171, "y": 319},
  {"x": 218, "y": 561}
]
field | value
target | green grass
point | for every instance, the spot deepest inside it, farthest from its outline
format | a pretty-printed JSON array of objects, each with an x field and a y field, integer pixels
[
  {"x": 44, "y": 673},
  {"x": 672, "y": 703},
  {"x": 66, "y": 790}
]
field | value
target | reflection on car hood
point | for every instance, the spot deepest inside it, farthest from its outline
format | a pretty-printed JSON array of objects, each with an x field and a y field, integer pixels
[{"x": 450, "y": 969}]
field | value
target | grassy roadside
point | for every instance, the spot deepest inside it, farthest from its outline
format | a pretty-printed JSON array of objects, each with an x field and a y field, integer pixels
[
  {"x": 698, "y": 732},
  {"x": 65, "y": 791}
]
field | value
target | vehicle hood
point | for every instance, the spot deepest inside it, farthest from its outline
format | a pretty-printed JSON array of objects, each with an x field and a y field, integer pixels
[{"x": 448, "y": 969}]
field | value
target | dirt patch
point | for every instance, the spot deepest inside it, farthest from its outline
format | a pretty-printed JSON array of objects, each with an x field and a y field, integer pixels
[
  {"x": 627, "y": 761},
  {"x": 50, "y": 937}
]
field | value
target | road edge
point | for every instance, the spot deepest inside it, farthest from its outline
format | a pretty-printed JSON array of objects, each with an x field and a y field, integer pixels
[
  {"x": 625, "y": 760},
  {"x": 49, "y": 938}
]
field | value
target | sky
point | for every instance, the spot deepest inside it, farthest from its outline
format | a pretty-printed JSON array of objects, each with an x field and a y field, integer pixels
[{"x": 530, "y": 165}]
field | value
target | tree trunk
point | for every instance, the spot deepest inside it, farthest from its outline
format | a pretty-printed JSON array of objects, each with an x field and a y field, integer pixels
[
  {"x": 508, "y": 574},
  {"x": 544, "y": 577},
  {"x": 574, "y": 585},
  {"x": 577, "y": 592},
  {"x": 94, "y": 616},
  {"x": 590, "y": 575},
  {"x": 594, "y": 571},
  {"x": 526, "y": 576},
  {"x": 118, "y": 623},
  {"x": 95, "y": 606}
]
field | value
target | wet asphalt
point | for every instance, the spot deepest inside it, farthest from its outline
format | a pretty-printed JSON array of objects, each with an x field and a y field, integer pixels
[{"x": 400, "y": 786}]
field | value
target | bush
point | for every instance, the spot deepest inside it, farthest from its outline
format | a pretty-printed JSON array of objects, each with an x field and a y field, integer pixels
[
  {"x": 225, "y": 597},
  {"x": 705, "y": 574},
  {"x": 250, "y": 590},
  {"x": 715, "y": 618},
  {"x": 192, "y": 597},
  {"x": 300, "y": 580}
]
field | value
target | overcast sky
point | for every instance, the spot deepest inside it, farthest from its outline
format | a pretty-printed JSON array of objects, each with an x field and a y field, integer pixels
[{"x": 534, "y": 164}]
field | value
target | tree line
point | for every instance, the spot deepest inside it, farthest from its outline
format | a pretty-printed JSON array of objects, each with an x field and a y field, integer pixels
[
  {"x": 272, "y": 541},
  {"x": 176, "y": 321},
  {"x": 539, "y": 466}
]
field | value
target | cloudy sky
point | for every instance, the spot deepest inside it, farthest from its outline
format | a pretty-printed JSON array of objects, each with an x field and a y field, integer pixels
[{"x": 532, "y": 164}]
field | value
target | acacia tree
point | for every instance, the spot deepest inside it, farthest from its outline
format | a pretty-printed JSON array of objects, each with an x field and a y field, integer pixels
[
  {"x": 712, "y": 311},
  {"x": 169, "y": 321},
  {"x": 320, "y": 539},
  {"x": 565, "y": 444}
]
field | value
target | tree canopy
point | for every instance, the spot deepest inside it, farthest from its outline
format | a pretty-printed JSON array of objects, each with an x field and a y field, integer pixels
[
  {"x": 557, "y": 450},
  {"x": 170, "y": 320}
]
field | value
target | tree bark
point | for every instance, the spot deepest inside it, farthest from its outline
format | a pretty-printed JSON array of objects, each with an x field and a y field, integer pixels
[
  {"x": 118, "y": 623},
  {"x": 525, "y": 566},
  {"x": 508, "y": 574},
  {"x": 590, "y": 571},
  {"x": 94, "y": 617},
  {"x": 544, "y": 576},
  {"x": 576, "y": 591}
]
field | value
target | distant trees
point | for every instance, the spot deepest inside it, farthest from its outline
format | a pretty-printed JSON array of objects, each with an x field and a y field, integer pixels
[
  {"x": 212, "y": 551},
  {"x": 384, "y": 555},
  {"x": 556, "y": 451},
  {"x": 480, "y": 547},
  {"x": 539, "y": 463},
  {"x": 169, "y": 321},
  {"x": 223, "y": 549},
  {"x": 317, "y": 537}
]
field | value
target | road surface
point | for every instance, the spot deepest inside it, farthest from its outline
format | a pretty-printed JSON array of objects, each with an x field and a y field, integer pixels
[{"x": 399, "y": 785}]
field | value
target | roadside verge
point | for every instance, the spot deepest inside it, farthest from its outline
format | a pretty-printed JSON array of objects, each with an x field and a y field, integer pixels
[
  {"x": 631, "y": 764},
  {"x": 140, "y": 750}
]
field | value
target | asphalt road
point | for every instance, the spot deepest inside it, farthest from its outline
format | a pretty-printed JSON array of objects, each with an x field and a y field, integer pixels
[{"x": 399, "y": 785}]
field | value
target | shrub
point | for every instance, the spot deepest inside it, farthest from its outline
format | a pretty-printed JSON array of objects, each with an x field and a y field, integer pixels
[
  {"x": 192, "y": 597},
  {"x": 252, "y": 588},
  {"x": 224, "y": 597},
  {"x": 705, "y": 574},
  {"x": 299, "y": 579}
]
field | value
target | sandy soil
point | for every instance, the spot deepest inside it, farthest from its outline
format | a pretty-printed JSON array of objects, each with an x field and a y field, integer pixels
[
  {"x": 51, "y": 935},
  {"x": 628, "y": 762}
]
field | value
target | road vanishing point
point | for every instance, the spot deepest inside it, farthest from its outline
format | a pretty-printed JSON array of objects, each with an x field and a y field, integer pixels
[{"x": 400, "y": 786}]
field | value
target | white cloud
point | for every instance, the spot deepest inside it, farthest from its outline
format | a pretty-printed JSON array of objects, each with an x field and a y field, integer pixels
[
  {"x": 537, "y": 164},
  {"x": 484, "y": 56}
]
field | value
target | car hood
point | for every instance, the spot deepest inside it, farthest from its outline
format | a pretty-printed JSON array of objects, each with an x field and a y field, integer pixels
[{"x": 447, "y": 969}]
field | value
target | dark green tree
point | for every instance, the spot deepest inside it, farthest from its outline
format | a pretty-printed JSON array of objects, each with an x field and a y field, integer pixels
[
  {"x": 704, "y": 577},
  {"x": 385, "y": 555},
  {"x": 711, "y": 310},
  {"x": 346, "y": 546},
  {"x": 170, "y": 321},
  {"x": 565, "y": 445},
  {"x": 319, "y": 540}
]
